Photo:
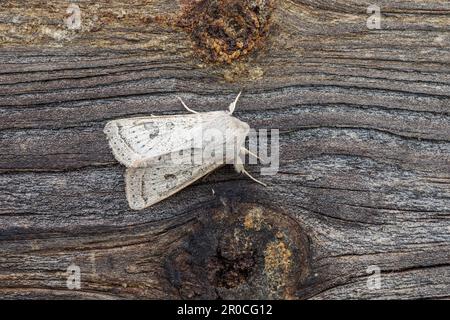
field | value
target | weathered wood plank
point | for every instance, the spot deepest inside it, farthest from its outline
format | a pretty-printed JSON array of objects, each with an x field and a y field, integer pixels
[{"x": 364, "y": 175}]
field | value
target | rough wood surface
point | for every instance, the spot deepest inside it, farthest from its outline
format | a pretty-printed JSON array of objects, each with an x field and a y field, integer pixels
[{"x": 365, "y": 152}]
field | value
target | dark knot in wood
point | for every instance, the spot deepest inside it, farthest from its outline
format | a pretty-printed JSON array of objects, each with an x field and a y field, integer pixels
[
  {"x": 252, "y": 252},
  {"x": 225, "y": 30}
]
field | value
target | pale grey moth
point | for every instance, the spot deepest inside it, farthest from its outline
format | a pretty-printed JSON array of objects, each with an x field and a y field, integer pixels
[{"x": 164, "y": 154}]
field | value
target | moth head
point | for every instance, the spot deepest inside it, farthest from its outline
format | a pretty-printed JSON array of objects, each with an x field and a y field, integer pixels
[{"x": 238, "y": 127}]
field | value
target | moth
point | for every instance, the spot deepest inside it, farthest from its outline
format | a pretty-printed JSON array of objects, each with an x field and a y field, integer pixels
[{"x": 164, "y": 154}]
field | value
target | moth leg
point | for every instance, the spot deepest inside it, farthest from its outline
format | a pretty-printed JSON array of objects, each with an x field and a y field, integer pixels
[
  {"x": 233, "y": 104},
  {"x": 246, "y": 151},
  {"x": 184, "y": 105},
  {"x": 254, "y": 179},
  {"x": 239, "y": 167}
]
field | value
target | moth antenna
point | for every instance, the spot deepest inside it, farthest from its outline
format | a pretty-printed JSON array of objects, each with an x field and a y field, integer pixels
[
  {"x": 245, "y": 150},
  {"x": 254, "y": 179},
  {"x": 233, "y": 104},
  {"x": 184, "y": 105}
]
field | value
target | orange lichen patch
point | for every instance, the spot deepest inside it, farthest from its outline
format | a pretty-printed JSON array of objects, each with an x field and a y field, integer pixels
[
  {"x": 225, "y": 30},
  {"x": 254, "y": 219},
  {"x": 277, "y": 257},
  {"x": 277, "y": 266}
]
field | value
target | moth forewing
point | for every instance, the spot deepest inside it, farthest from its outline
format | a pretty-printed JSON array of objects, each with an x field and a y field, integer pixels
[
  {"x": 135, "y": 141},
  {"x": 150, "y": 185}
]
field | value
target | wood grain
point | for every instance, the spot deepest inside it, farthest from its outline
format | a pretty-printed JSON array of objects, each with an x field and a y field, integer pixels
[{"x": 364, "y": 179}]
